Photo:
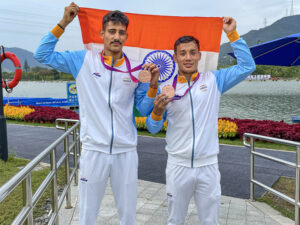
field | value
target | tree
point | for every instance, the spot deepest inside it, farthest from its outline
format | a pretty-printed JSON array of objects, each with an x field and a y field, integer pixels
[
  {"x": 55, "y": 74},
  {"x": 38, "y": 69},
  {"x": 26, "y": 67}
]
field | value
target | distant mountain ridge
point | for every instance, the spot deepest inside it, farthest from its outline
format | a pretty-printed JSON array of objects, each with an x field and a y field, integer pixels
[
  {"x": 281, "y": 28},
  {"x": 22, "y": 55}
]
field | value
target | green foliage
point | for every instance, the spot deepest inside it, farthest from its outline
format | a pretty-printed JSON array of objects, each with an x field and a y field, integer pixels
[
  {"x": 285, "y": 185},
  {"x": 274, "y": 71},
  {"x": 39, "y": 73},
  {"x": 7, "y": 75},
  {"x": 13, "y": 202},
  {"x": 55, "y": 74},
  {"x": 278, "y": 71},
  {"x": 26, "y": 67},
  {"x": 258, "y": 144}
]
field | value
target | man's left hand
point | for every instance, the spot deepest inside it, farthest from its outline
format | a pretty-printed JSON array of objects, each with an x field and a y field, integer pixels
[
  {"x": 153, "y": 69},
  {"x": 229, "y": 24}
]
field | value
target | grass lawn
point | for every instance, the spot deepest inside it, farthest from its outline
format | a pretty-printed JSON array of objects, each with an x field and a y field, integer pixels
[
  {"x": 11, "y": 206},
  {"x": 30, "y": 124},
  {"x": 258, "y": 144},
  {"x": 146, "y": 133},
  {"x": 285, "y": 185},
  {"x": 237, "y": 142}
]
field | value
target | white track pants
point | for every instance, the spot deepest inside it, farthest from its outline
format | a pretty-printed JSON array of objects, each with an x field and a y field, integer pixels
[
  {"x": 183, "y": 183},
  {"x": 95, "y": 168}
]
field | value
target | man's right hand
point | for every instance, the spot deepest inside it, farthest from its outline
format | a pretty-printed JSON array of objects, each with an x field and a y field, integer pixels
[
  {"x": 153, "y": 69},
  {"x": 160, "y": 103},
  {"x": 70, "y": 13}
]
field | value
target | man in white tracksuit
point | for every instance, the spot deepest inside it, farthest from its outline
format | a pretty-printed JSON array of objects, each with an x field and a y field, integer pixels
[
  {"x": 106, "y": 99},
  {"x": 192, "y": 126}
]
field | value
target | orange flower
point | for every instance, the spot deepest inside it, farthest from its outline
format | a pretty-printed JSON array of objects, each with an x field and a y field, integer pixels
[
  {"x": 16, "y": 112},
  {"x": 227, "y": 129}
]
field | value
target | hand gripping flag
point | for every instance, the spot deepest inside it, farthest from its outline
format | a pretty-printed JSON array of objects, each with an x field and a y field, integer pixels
[{"x": 151, "y": 38}]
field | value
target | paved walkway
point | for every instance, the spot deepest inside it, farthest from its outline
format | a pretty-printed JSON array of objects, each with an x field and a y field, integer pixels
[
  {"x": 152, "y": 204},
  {"x": 152, "y": 209},
  {"x": 234, "y": 161}
]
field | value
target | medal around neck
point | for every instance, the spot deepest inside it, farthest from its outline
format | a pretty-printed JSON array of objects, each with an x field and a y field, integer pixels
[
  {"x": 127, "y": 65},
  {"x": 144, "y": 76},
  {"x": 178, "y": 97},
  {"x": 168, "y": 91}
]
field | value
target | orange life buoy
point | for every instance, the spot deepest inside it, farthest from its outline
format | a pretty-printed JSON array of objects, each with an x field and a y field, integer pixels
[{"x": 18, "y": 70}]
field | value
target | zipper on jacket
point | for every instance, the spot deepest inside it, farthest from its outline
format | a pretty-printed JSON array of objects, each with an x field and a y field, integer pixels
[
  {"x": 193, "y": 123},
  {"x": 111, "y": 111}
]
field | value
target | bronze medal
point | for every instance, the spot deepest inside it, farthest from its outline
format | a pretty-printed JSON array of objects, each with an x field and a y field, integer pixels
[{"x": 168, "y": 91}]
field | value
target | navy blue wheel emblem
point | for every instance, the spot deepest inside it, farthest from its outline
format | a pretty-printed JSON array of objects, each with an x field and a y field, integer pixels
[{"x": 164, "y": 62}]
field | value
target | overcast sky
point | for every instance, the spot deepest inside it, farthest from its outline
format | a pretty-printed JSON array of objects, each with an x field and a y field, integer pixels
[{"x": 24, "y": 22}]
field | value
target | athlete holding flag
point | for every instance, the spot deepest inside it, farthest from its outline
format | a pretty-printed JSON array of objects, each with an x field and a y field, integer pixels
[
  {"x": 191, "y": 107},
  {"x": 108, "y": 88}
]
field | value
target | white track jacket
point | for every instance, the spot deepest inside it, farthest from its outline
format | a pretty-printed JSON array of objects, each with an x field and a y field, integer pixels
[
  {"x": 106, "y": 98},
  {"x": 192, "y": 122}
]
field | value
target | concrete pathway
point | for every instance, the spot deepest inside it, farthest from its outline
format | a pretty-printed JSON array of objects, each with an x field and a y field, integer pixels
[
  {"x": 152, "y": 209},
  {"x": 234, "y": 161}
]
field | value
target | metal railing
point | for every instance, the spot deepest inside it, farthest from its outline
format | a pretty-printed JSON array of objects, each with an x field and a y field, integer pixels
[
  {"x": 296, "y": 201},
  {"x": 24, "y": 176}
]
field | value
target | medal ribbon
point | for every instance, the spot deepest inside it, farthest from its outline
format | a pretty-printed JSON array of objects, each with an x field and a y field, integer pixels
[
  {"x": 178, "y": 97},
  {"x": 134, "y": 79}
]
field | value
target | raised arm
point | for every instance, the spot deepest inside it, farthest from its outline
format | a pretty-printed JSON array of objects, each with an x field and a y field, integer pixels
[
  {"x": 229, "y": 77},
  {"x": 67, "y": 62},
  {"x": 145, "y": 93}
]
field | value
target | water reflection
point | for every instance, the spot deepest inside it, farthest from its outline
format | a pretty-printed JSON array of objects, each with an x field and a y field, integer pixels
[
  {"x": 254, "y": 100},
  {"x": 260, "y": 107},
  {"x": 262, "y": 100}
]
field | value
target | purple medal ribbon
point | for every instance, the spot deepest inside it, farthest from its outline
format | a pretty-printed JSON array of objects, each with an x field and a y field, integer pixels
[
  {"x": 135, "y": 80},
  {"x": 178, "y": 97}
]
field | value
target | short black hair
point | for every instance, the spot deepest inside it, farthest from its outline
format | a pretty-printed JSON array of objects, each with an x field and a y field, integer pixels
[
  {"x": 186, "y": 39},
  {"x": 115, "y": 16}
]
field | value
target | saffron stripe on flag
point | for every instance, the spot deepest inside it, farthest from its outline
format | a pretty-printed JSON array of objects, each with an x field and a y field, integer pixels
[
  {"x": 155, "y": 32},
  {"x": 152, "y": 37}
]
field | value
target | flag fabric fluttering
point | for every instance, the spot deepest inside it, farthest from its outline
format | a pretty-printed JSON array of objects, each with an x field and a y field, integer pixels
[{"x": 151, "y": 38}]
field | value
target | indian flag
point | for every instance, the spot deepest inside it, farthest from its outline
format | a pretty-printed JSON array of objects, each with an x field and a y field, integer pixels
[{"x": 151, "y": 38}]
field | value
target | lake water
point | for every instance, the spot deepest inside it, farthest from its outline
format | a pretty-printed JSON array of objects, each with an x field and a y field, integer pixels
[
  {"x": 249, "y": 99},
  {"x": 262, "y": 100}
]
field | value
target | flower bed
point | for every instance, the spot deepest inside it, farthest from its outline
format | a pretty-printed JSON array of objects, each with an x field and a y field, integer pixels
[
  {"x": 268, "y": 128},
  {"x": 46, "y": 114},
  {"x": 17, "y": 112},
  {"x": 226, "y": 129},
  {"x": 141, "y": 123}
]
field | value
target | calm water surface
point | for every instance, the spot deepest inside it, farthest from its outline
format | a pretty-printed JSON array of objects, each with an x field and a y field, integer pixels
[
  {"x": 262, "y": 100},
  {"x": 249, "y": 99}
]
